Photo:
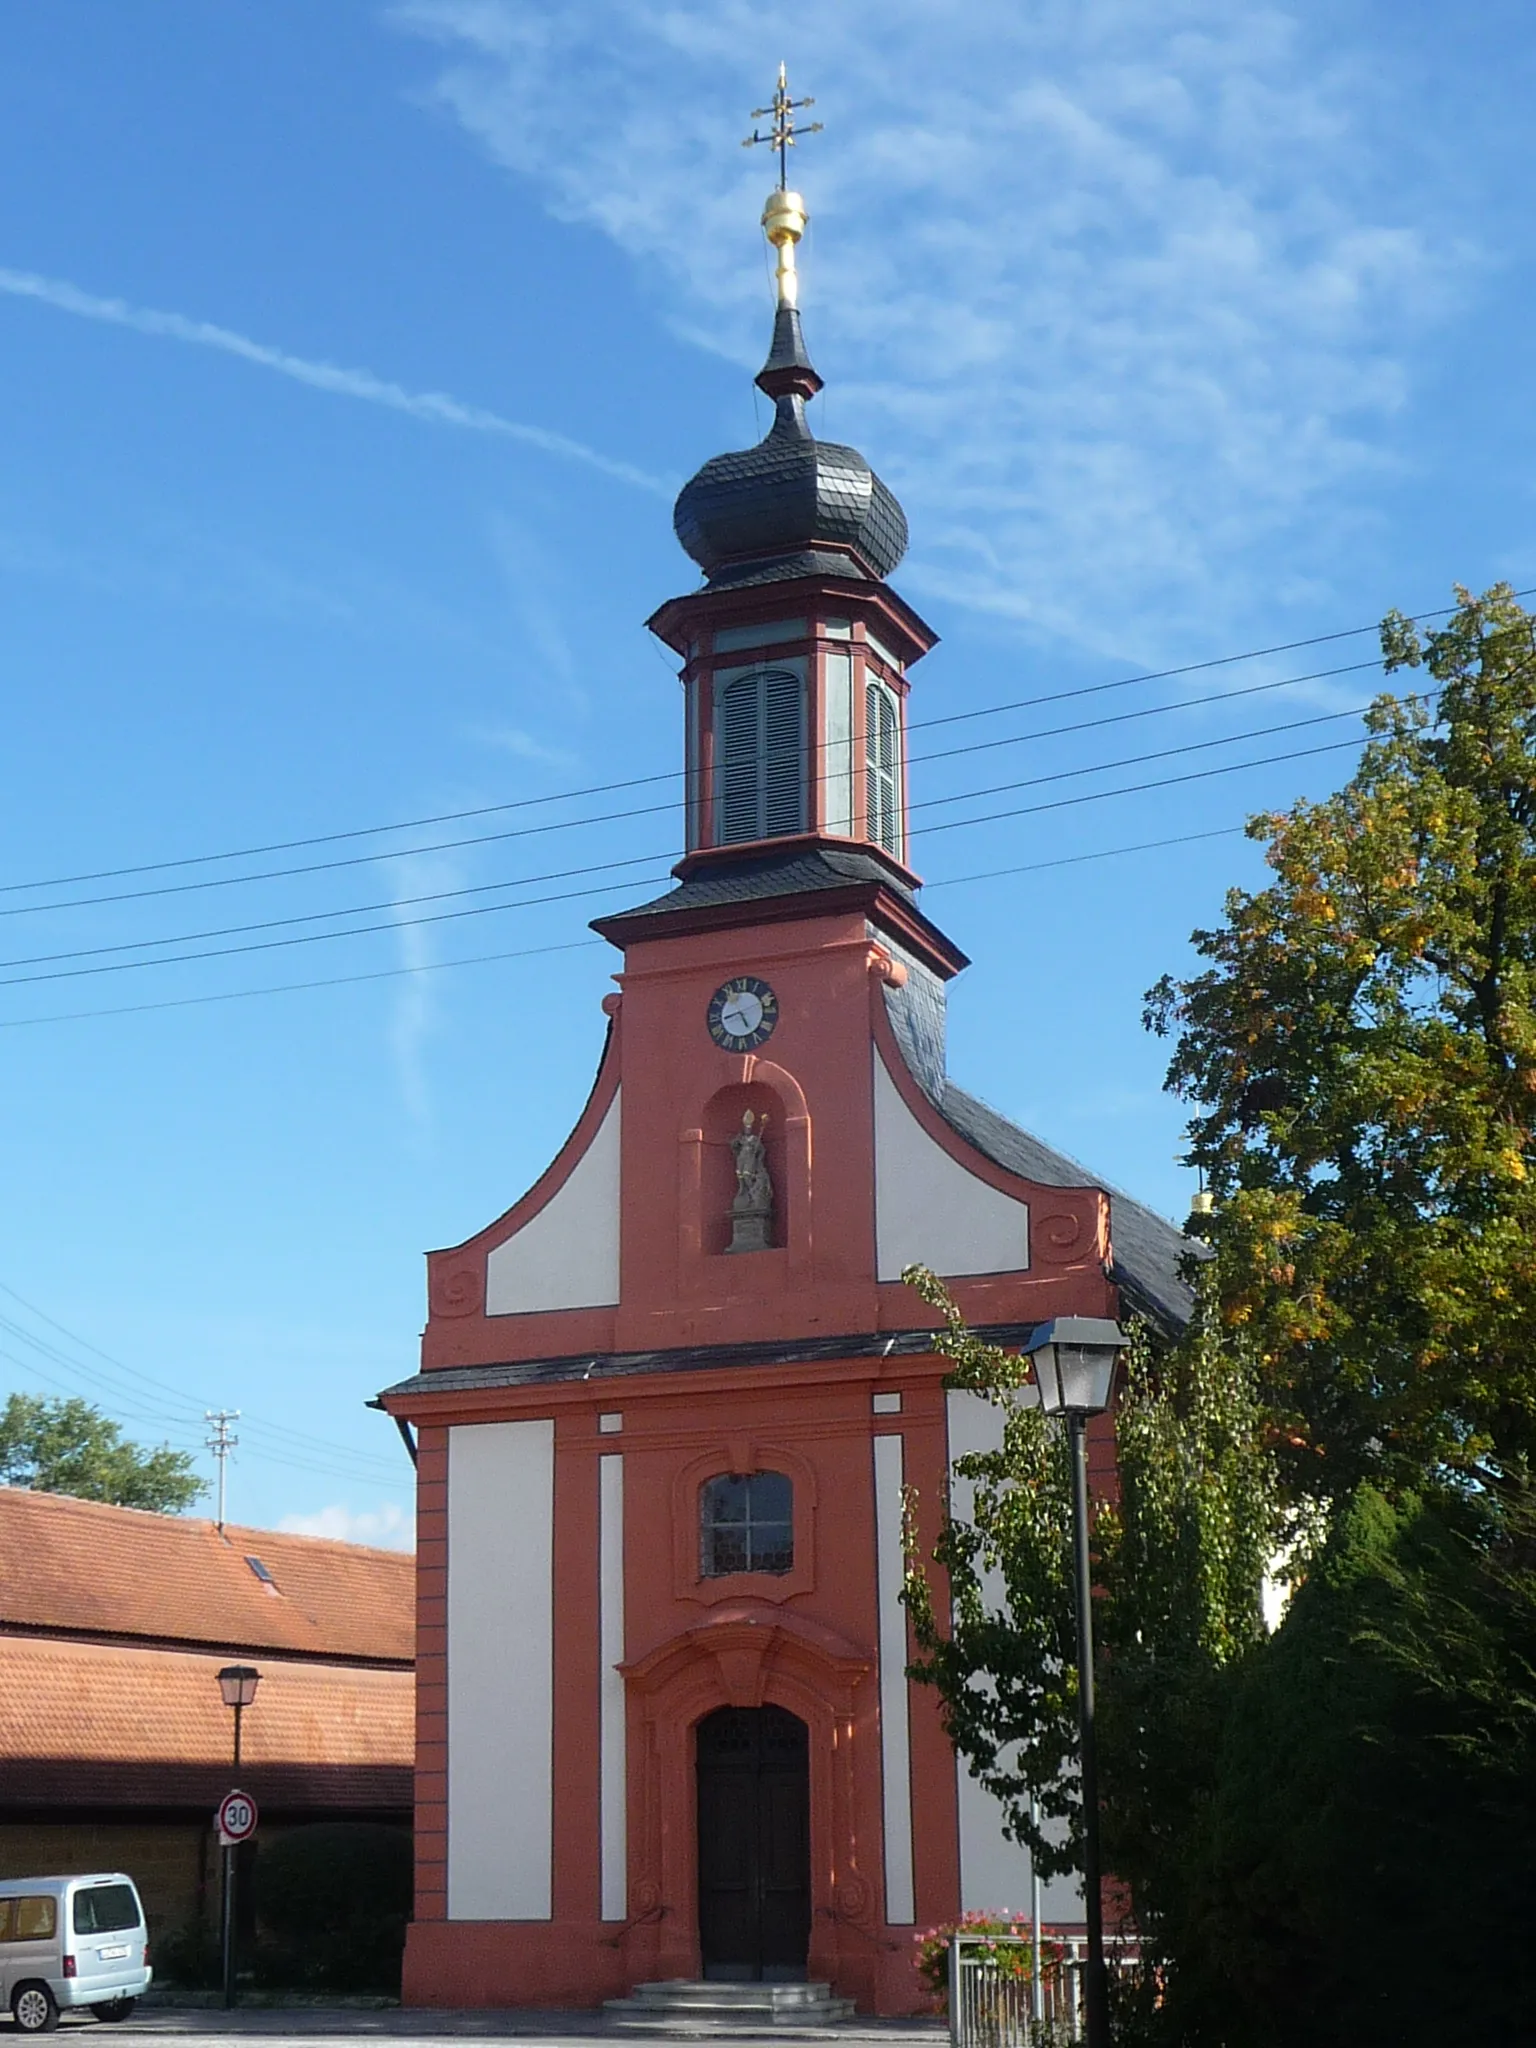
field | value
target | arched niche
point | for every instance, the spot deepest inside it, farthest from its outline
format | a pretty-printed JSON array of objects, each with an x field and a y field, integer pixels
[
  {"x": 707, "y": 1182},
  {"x": 723, "y": 1115}
]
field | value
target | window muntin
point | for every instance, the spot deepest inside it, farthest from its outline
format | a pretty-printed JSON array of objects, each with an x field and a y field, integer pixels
[
  {"x": 33, "y": 1918},
  {"x": 759, "y": 755},
  {"x": 106, "y": 1909},
  {"x": 746, "y": 1524},
  {"x": 882, "y": 768}
]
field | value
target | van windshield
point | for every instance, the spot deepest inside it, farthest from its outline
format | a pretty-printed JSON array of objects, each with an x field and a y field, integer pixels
[{"x": 106, "y": 1909}]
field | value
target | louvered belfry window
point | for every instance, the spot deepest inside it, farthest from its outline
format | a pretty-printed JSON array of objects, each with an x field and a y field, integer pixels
[
  {"x": 882, "y": 768},
  {"x": 760, "y": 756}
]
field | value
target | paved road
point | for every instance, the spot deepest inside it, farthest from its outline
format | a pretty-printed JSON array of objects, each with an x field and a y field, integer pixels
[{"x": 318, "y": 2026}]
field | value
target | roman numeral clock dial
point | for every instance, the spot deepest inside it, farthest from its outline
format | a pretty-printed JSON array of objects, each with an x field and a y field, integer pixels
[{"x": 742, "y": 1014}]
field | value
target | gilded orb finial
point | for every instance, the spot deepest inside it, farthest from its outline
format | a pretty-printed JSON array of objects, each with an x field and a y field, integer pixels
[{"x": 784, "y": 215}]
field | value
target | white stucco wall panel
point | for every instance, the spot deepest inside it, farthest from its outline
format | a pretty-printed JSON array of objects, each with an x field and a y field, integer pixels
[
  {"x": 611, "y": 1702},
  {"x": 995, "y": 1872},
  {"x": 895, "y": 1719},
  {"x": 568, "y": 1255},
  {"x": 929, "y": 1209},
  {"x": 501, "y": 1496}
]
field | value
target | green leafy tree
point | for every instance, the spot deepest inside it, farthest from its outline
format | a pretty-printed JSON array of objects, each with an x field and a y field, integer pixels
[
  {"x": 1181, "y": 1555},
  {"x": 1361, "y": 1054},
  {"x": 71, "y": 1447},
  {"x": 1358, "y": 1870},
  {"x": 1001, "y": 1649}
]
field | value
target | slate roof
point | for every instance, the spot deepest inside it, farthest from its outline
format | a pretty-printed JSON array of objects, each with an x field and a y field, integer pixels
[
  {"x": 86, "y": 1724},
  {"x": 78, "y": 1568},
  {"x": 621, "y": 1365},
  {"x": 792, "y": 505},
  {"x": 1149, "y": 1251},
  {"x": 799, "y": 873}
]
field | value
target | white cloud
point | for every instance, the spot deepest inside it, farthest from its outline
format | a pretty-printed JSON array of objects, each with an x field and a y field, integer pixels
[
  {"x": 1121, "y": 295},
  {"x": 434, "y": 406},
  {"x": 511, "y": 739},
  {"x": 414, "y": 1012},
  {"x": 536, "y": 582},
  {"x": 387, "y": 1528}
]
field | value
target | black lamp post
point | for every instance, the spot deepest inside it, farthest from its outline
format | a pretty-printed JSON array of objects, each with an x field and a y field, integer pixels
[
  {"x": 1075, "y": 1358},
  {"x": 237, "y": 1687}
]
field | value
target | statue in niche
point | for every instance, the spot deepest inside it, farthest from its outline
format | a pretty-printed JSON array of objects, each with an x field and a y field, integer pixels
[{"x": 752, "y": 1205}]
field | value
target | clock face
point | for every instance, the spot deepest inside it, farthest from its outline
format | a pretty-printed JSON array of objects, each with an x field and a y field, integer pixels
[{"x": 742, "y": 1014}]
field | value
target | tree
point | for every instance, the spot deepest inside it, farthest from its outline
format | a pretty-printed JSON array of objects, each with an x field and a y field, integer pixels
[
  {"x": 1361, "y": 1054},
  {"x": 1002, "y": 1652},
  {"x": 1358, "y": 1870},
  {"x": 1181, "y": 1556},
  {"x": 71, "y": 1447}
]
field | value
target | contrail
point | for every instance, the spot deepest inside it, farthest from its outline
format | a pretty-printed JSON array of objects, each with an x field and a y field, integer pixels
[{"x": 435, "y": 406}]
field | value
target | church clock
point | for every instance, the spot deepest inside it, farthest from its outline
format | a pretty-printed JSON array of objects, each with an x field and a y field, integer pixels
[{"x": 742, "y": 1014}]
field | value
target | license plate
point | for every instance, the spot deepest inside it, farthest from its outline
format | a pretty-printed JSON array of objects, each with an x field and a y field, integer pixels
[{"x": 111, "y": 1955}]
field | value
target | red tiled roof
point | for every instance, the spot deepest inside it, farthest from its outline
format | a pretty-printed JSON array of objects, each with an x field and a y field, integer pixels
[
  {"x": 75, "y": 1567},
  {"x": 101, "y": 1723}
]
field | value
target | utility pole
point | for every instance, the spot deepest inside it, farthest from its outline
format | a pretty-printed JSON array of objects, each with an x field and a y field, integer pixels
[{"x": 221, "y": 1443}]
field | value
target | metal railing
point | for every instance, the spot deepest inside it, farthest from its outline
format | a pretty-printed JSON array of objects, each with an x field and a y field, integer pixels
[{"x": 998, "y": 1999}]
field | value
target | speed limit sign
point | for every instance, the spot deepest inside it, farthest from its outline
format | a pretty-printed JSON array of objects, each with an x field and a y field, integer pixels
[{"x": 236, "y": 1818}]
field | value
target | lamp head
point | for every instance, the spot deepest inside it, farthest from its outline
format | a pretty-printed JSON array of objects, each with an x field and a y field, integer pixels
[
  {"x": 1074, "y": 1359},
  {"x": 238, "y": 1683}
]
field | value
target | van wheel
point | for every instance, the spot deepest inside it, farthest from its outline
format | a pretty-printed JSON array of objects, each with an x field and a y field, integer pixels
[
  {"x": 34, "y": 2008},
  {"x": 114, "y": 2009}
]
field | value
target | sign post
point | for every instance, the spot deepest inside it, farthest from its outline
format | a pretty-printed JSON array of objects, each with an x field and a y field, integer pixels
[{"x": 236, "y": 1822}]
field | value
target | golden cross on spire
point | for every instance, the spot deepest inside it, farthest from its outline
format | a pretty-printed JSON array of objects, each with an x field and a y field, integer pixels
[{"x": 783, "y": 135}]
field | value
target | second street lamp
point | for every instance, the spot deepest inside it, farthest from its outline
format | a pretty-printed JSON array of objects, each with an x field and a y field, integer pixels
[
  {"x": 1074, "y": 1359},
  {"x": 237, "y": 1688}
]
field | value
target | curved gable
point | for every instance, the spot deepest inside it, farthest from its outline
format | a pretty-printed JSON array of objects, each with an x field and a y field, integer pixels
[
  {"x": 567, "y": 1254},
  {"x": 929, "y": 1209}
]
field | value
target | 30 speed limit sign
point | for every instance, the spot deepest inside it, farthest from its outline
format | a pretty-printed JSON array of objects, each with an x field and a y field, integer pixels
[{"x": 236, "y": 1818}]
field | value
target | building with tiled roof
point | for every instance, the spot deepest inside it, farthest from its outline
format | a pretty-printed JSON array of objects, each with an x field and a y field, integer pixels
[{"x": 114, "y": 1740}]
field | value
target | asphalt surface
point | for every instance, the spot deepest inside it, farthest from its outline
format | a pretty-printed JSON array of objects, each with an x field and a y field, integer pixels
[{"x": 191, "y": 2027}]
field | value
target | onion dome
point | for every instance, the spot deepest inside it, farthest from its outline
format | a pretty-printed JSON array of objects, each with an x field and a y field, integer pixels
[{"x": 793, "y": 505}]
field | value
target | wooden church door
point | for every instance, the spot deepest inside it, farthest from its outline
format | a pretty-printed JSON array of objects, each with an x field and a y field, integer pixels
[{"x": 754, "y": 1844}]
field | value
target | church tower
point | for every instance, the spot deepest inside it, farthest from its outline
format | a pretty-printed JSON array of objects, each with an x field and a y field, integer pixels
[{"x": 671, "y": 1398}]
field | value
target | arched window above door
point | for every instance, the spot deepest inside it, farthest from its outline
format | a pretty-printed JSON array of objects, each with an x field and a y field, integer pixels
[{"x": 746, "y": 1524}]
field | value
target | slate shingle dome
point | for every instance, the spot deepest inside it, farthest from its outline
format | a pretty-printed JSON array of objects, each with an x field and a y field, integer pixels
[{"x": 793, "y": 505}]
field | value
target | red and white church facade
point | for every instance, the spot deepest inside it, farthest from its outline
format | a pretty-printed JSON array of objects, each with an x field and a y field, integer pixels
[{"x": 671, "y": 1401}]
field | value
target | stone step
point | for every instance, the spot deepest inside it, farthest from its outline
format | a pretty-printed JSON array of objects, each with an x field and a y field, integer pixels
[
  {"x": 726, "y": 2020},
  {"x": 703, "y": 2007},
  {"x": 735, "y": 1991}
]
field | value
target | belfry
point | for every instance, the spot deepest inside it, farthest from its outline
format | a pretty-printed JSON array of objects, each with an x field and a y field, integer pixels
[{"x": 671, "y": 1399}]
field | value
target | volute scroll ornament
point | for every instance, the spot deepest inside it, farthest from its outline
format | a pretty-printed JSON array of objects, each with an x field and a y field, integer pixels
[
  {"x": 457, "y": 1290},
  {"x": 1058, "y": 1236}
]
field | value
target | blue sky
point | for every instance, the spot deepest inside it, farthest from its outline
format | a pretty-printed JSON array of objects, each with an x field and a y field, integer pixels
[{"x": 349, "y": 360}]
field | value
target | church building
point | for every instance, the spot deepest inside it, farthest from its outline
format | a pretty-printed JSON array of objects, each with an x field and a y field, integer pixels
[{"x": 671, "y": 1401}]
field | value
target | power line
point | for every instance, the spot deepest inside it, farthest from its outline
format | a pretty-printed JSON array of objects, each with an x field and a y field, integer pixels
[
  {"x": 393, "y": 923},
  {"x": 657, "y": 810},
  {"x": 237, "y": 995},
  {"x": 397, "y": 903},
  {"x": 666, "y": 809},
  {"x": 178, "y": 1417},
  {"x": 643, "y": 781}
]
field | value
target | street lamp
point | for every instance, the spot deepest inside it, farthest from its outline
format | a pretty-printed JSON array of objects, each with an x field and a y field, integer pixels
[
  {"x": 1075, "y": 1359},
  {"x": 237, "y": 1688}
]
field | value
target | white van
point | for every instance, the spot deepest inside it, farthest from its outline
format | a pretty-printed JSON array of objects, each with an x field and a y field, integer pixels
[{"x": 71, "y": 1941}]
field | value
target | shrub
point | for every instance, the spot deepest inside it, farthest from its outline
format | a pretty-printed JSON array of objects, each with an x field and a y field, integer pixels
[
  {"x": 1013, "y": 1957},
  {"x": 332, "y": 1903}
]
